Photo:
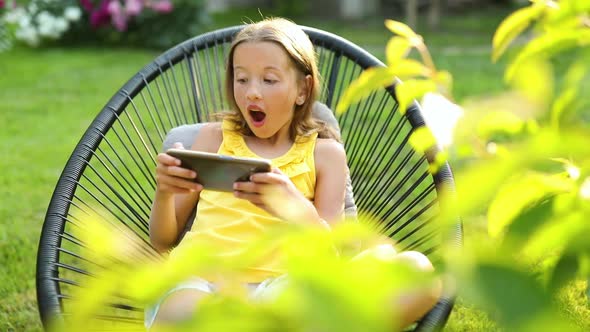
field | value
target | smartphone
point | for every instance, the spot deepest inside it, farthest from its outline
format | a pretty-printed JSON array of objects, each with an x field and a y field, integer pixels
[{"x": 219, "y": 172}]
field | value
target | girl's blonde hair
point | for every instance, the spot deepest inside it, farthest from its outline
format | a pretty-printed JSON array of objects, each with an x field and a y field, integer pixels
[{"x": 302, "y": 54}]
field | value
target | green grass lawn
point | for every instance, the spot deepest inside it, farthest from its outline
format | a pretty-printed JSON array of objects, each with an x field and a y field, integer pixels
[{"x": 49, "y": 97}]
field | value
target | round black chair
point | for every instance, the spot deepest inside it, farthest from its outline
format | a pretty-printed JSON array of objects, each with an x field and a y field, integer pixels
[{"x": 111, "y": 171}]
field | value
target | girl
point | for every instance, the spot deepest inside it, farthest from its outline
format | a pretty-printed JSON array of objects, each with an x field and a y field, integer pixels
[{"x": 272, "y": 82}]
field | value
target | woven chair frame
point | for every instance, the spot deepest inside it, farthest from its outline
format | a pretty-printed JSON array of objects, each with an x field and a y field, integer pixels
[{"x": 110, "y": 172}]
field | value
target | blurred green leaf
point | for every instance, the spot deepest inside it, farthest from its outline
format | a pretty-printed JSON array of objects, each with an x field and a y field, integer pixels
[
  {"x": 565, "y": 271},
  {"x": 369, "y": 81},
  {"x": 568, "y": 99},
  {"x": 566, "y": 11},
  {"x": 512, "y": 26},
  {"x": 214, "y": 312},
  {"x": 400, "y": 29},
  {"x": 478, "y": 184},
  {"x": 529, "y": 219},
  {"x": 568, "y": 230},
  {"x": 534, "y": 80},
  {"x": 445, "y": 80},
  {"x": 409, "y": 68},
  {"x": 499, "y": 122},
  {"x": 422, "y": 139},
  {"x": 439, "y": 160},
  {"x": 396, "y": 49},
  {"x": 513, "y": 294},
  {"x": 577, "y": 70},
  {"x": 565, "y": 162},
  {"x": 408, "y": 91},
  {"x": 548, "y": 45},
  {"x": 520, "y": 199},
  {"x": 316, "y": 293},
  {"x": 585, "y": 265}
]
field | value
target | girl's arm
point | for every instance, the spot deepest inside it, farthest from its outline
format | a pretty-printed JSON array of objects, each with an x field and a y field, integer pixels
[
  {"x": 176, "y": 192},
  {"x": 331, "y": 172}
]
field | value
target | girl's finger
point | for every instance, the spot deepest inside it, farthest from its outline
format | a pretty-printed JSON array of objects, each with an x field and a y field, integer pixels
[
  {"x": 175, "y": 171},
  {"x": 166, "y": 159},
  {"x": 253, "y": 198},
  {"x": 248, "y": 186},
  {"x": 268, "y": 177},
  {"x": 173, "y": 181},
  {"x": 181, "y": 172},
  {"x": 178, "y": 145}
]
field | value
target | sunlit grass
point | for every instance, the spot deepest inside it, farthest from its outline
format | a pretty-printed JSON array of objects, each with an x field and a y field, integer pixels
[
  {"x": 49, "y": 97},
  {"x": 575, "y": 304}
]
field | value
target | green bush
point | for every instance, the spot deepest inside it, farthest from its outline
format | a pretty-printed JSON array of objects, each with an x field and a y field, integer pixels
[{"x": 528, "y": 165}]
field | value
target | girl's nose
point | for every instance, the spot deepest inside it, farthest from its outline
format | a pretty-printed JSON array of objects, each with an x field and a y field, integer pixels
[{"x": 253, "y": 92}]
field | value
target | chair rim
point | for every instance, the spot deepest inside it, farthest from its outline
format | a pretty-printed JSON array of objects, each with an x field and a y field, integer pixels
[{"x": 48, "y": 294}]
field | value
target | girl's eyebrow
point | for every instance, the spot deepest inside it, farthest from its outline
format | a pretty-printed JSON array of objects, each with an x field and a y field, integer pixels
[{"x": 267, "y": 67}]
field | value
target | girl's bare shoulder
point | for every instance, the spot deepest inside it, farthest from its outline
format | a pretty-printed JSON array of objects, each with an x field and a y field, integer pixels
[
  {"x": 329, "y": 151},
  {"x": 328, "y": 144},
  {"x": 209, "y": 138}
]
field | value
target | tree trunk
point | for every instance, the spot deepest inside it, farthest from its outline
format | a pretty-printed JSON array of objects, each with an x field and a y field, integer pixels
[
  {"x": 434, "y": 14},
  {"x": 357, "y": 9},
  {"x": 412, "y": 13}
]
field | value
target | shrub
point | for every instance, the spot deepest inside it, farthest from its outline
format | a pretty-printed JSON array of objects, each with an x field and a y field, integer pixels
[
  {"x": 529, "y": 165},
  {"x": 144, "y": 23}
]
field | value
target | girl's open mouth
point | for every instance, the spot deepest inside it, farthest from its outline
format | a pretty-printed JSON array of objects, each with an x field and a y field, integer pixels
[{"x": 257, "y": 117}]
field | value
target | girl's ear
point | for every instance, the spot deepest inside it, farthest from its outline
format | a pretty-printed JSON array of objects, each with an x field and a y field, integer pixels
[{"x": 304, "y": 90}]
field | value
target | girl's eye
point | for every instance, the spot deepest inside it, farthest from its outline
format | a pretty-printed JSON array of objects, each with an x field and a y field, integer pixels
[
  {"x": 269, "y": 81},
  {"x": 241, "y": 80}
]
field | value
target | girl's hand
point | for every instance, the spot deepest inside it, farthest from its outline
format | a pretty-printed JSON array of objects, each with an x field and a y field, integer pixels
[
  {"x": 275, "y": 193},
  {"x": 173, "y": 179}
]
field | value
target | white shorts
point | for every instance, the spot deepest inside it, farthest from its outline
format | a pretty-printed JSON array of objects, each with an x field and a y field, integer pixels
[{"x": 259, "y": 292}]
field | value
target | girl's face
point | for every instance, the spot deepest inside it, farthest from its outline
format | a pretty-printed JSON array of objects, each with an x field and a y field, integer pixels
[{"x": 266, "y": 87}]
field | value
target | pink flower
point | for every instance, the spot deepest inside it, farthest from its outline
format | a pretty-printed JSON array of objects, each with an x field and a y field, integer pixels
[
  {"x": 162, "y": 6},
  {"x": 133, "y": 7},
  {"x": 118, "y": 12},
  {"x": 100, "y": 16},
  {"x": 118, "y": 15},
  {"x": 87, "y": 5},
  {"x": 1, "y": 3}
]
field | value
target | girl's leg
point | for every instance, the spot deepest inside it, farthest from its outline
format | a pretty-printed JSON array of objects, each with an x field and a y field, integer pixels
[
  {"x": 414, "y": 304},
  {"x": 178, "y": 306},
  {"x": 269, "y": 290}
]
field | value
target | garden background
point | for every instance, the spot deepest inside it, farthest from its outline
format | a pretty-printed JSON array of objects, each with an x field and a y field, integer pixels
[{"x": 49, "y": 94}]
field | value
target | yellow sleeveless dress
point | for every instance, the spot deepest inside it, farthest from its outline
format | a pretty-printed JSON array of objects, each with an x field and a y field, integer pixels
[{"x": 231, "y": 224}]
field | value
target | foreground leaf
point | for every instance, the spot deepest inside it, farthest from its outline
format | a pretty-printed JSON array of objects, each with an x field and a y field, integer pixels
[
  {"x": 548, "y": 45},
  {"x": 400, "y": 29},
  {"x": 566, "y": 269},
  {"x": 370, "y": 80},
  {"x": 512, "y": 26},
  {"x": 422, "y": 139},
  {"x": 519, "y": 196},
  {"x": 396, "y": 49},
  {"x": 408, "y": 91}
]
